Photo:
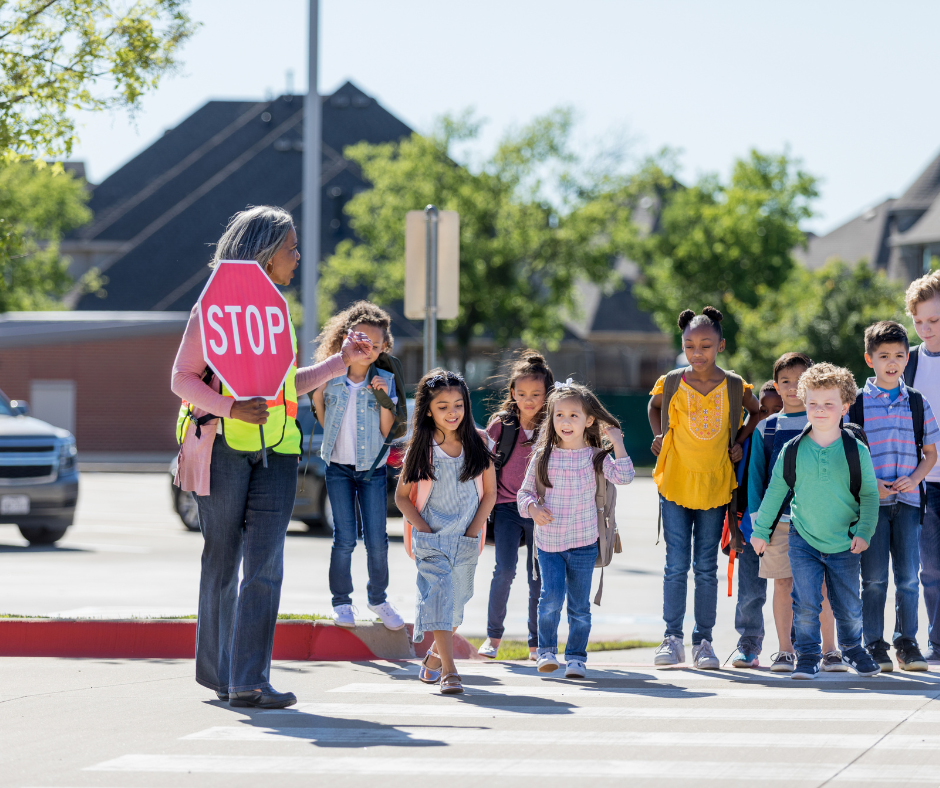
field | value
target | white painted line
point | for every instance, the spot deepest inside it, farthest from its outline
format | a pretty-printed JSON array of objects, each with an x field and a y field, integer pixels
[
  {"x": 447, "y": 707},
  {"x": 423, "y": 735},
  {"x": 793, "y": 690}
]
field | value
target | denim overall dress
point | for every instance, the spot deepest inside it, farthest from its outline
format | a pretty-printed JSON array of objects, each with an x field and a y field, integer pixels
[{"x": 446, "y": 559}]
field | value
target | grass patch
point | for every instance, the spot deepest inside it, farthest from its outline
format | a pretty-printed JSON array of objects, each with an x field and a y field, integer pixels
[{"x": 519, "y": 649}]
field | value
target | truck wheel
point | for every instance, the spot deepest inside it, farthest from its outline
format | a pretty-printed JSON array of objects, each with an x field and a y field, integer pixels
[
  {"x": 43, "y": 534},
  {"x": 187, "y": 508}
]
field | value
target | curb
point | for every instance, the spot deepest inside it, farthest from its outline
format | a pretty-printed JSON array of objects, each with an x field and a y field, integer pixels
[{"x": 165, "y": 639}]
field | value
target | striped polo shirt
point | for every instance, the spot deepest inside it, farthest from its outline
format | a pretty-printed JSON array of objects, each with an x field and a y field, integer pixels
[{"x": 890, "y": 432}]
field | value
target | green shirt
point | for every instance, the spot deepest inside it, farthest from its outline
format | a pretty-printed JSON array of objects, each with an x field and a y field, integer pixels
[{"x": 823, "y": 506}]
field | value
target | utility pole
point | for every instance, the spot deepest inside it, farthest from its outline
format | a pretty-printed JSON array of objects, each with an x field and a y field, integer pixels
[
  {"x": 310, "y": 220},
  {"x": 430, "y": 281}
]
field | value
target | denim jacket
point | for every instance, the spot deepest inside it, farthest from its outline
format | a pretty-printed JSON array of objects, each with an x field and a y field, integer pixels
[{"x": 369, "y": 438}]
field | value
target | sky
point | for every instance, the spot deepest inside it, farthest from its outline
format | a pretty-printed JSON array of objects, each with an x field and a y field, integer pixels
[{"x": 843, "y": 86}]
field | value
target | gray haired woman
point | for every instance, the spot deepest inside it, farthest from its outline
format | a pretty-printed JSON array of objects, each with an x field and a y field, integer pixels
[{"x": 244, "y": 507}]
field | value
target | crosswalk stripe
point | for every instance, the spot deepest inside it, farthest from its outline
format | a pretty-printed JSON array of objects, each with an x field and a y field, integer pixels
[
  {"x": 786, "y": 692},
  {"x": 410, "y": 735},
  {"x": 465, "y": 710},
  {"x": 726, "y": 771}
]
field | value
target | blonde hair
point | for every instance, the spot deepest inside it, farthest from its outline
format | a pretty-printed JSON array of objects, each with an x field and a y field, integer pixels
[
  {"x": 337, "y": 327},
  {"x": 921, "y": 290},
  {"x": 828, "y": 376}
]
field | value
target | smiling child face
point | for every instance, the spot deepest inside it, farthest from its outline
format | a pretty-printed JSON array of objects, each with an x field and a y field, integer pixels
[
  {"x": 447, "y": 409},
  {"x": 570, "y": 421}
]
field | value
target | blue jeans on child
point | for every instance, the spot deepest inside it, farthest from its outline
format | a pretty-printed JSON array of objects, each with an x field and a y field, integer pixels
[
  {"x": 508, "y": 529},
  {"x": 752, "y": 594},
  {"x": 566, "y": 573},
  {"x": 897, "y": 536},
  {"x": 692, "y": 540},
  {"x": 349, "y": 491},
  {"x": 841, "y": 573},
  {"x": 930, "y": 562}
]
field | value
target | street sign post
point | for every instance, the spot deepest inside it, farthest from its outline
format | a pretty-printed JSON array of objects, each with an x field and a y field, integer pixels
[
  {"x": 432, "y": 272},
  {"x": 246, "y": 338}
]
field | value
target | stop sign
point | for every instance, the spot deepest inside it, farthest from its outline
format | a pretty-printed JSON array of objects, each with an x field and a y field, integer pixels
[{"x": 246, "y": 336}]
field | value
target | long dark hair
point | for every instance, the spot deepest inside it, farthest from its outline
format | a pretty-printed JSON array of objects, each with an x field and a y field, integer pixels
[
  {"x": 528, "y": 364},
  {"x": 418, "y": 463},
  {"x": 593, "y": 435}
]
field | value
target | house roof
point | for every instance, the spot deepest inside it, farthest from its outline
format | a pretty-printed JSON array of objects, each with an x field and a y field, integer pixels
[
  {"x": 925, "y": 231},
  {"x": 860, "y": 238},
  {"x": 923, "y": 191}
]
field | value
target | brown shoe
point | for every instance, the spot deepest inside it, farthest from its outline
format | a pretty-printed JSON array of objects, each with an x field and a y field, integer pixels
[{"x": 451, "y": 684}]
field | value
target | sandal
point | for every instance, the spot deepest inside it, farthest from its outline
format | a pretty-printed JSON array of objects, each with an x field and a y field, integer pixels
[
  {"x": 488, "y": 650},
  {"x": 427, "y": 674},
  {"x": 451, "y": 684}
]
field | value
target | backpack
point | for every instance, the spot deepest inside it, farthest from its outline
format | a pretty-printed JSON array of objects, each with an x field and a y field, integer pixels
[
  {"x": 608, "y": 538},
  {"x": 390, "y": 363},
  {"x": 916, "y": 401},
  {"x": 501, "y": 454},
  {"x": 735, "y": 516},
  {"x": 852, "y": 434},
  {"x": 910, "y": 371},
  {"x": 735, "y": 406}
]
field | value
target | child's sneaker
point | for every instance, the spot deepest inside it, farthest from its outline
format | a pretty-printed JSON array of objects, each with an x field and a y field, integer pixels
[
  {"x": 670, "y": 652},
  {"x": 547, "y": 663},
  {"x": 343, "y": 616},
  {"x": 784, "y": 662},
  {"x": 806, "y": 667},
  {"x": 576, "y": 669},
  {"x": 879, "y": 653},
  {"x": 861, "y": 661},
  {"x": 909, "y": 656},
  {"x": 389, "y": 616},
  {"x": 703, "y": 657},
  {"x": 933, "y": 652},
  {"x": 832, "y": 662},
  {"x": 744, "y": 659},
  {"x": 488, "y": 650}
]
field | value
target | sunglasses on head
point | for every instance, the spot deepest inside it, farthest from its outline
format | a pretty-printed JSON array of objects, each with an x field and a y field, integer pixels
[{"x": 445, "y": 378}]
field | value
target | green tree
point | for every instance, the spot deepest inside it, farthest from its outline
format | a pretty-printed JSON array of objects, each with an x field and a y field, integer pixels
[
  {"x": 822, "y": 313},
  {"x": 533, "y": 220},
  {"x": 720, "y": 243},
  {"x": 37, "y": 207}
]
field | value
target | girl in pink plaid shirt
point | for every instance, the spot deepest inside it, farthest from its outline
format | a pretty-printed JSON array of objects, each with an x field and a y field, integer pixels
[{"x": 579, "y": 437}]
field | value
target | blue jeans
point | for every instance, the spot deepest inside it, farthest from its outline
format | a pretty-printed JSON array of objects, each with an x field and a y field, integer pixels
[
  {"x": 749, "y": 611},
  {"x": 349, "y": 492},
  {"x": 243, "y": 521},
  {"x": 692, "y": 540},
  {"x": 841, "y": 573},
  {"x": 568, "y": 572},
  {"x": 930, "y": 562},
  {"x": 897, "y": 535},
  {"x": 508, "y": 529}
]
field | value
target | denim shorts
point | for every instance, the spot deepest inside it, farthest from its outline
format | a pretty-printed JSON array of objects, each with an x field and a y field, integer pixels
[{"x": 446, "y": 565}]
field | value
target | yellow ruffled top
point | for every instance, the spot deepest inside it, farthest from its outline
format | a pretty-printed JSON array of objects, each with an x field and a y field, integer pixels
[{"x": 693, "y": 468}]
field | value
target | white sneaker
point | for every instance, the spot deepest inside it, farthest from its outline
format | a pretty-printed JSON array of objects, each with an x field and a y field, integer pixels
[
  {"x": 547, "y": 663},
  {"x": 576, "y": 669},
  {"x": 703, "y": 657},
  {"x": 343, "y": 616},
  {"x": 388, "y": 616},
  {"x": 670, "y": 652}
]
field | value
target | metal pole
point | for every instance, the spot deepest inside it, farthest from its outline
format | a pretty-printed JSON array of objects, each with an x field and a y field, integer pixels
[
  {"x": 430, "y": 301},
  {"x": 310, "y": 220}
]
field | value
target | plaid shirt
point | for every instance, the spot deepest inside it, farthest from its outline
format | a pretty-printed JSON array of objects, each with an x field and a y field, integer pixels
[
  {"x": 890, "y": 434},
  {"x": 570, "y": 499}
]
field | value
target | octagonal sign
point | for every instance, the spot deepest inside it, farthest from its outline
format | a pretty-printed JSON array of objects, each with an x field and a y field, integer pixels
[{"x": 246, "y": 336}]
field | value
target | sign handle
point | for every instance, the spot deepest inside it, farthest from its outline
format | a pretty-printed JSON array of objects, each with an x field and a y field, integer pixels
[{"x": 264, "y": 451}]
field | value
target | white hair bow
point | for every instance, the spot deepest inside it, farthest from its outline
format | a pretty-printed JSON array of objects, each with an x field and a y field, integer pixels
[{"x": 566, "y": 385}]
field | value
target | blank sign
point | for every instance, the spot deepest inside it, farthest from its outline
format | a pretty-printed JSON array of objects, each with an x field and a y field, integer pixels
[
  {"x": 54, "y": 401},
  {"x": 448, "y": 265}
]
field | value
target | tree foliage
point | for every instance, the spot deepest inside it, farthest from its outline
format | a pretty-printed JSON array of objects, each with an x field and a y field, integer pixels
[
  {"x": 59, "y": 56},
  {"x": 38, "y": 205},
  {"x": 533, "y": 220}
]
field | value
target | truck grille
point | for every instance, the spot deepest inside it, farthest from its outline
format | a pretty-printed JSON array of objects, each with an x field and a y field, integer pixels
[
  {"x": 25, "y": 471},
  {"x": 39, "y": 448}
]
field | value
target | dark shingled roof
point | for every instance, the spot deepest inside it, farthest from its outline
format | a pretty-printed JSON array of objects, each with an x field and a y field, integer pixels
[
  {"x": 923, "y": 191},
  {"x": 863, "y": 237}
]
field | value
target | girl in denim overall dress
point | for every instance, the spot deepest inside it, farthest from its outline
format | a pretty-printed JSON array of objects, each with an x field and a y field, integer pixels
[
  {"x": 446, "y": 490},
  {"x": 354, "y": 430}
]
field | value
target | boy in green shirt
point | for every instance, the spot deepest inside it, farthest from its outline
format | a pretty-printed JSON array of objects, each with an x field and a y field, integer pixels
[{"x": 829, "y": 528}]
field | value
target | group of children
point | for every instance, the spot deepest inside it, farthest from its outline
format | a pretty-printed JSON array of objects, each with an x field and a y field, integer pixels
[{"x": 834, "y": 483}]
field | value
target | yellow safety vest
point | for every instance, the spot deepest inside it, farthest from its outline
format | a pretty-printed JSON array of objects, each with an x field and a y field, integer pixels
[{"x": 281, "y": 432}]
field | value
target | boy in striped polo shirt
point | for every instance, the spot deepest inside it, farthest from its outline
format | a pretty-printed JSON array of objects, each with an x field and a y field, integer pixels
[{"x": 888, "y": 422}]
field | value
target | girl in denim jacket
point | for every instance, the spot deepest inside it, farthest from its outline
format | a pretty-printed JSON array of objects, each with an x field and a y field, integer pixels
[
  {"x": 354, "y": 431},
  {"x": 446, "y": 490}
]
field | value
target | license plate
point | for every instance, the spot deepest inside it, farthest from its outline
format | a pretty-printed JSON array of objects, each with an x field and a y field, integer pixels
[{"x": 14, "y": 504}]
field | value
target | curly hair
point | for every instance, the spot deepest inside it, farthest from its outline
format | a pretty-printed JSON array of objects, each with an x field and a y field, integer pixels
[
  {"x": 828, "y": 376},
  {"x": 337, "y": 327},
  {"x": 710, "y": 317},
  {"x": 528, "y": 364},
  {"x": 921, "y": 290}
]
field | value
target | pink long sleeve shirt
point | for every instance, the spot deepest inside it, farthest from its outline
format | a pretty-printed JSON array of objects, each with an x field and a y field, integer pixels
[{"x": 195, "y": 455}]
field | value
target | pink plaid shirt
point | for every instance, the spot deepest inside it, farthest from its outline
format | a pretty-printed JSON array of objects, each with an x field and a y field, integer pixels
[{"x": 570, "y": 499}]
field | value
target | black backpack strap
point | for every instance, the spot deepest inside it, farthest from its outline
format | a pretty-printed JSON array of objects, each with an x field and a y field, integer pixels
[
  {"x": 507, "y": 439},
  {"x": 789, "y": 472},
  {"x": 910, "y": 371},
  {"x": 857, "y": 409},
  {"x": 852, "y": 456},
  {"x": 916, "y": 400}
]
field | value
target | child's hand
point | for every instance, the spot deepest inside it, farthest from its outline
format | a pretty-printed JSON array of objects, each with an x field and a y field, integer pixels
[
  {"x": 540, "y": 514},
  {"x": 356, "y": 347},
  {"x": 736, "y": 452},
  {"x": 657, "y": 446},
  {"x": 615, "y": 434},
  {"x": 379, "y": 383},
  {"x": 758, "y": 544},
  {"x": 472, "y": 532},
  {"x": 903, "y": 484},
  {"x": 884, "y": 489},
  {"x": 859, "y": 545}
]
